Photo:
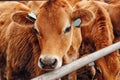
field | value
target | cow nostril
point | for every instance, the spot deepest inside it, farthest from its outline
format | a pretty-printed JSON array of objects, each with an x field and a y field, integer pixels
[
  {"x": 54, "y": 63},
  {"x": 41, "y": 63}
]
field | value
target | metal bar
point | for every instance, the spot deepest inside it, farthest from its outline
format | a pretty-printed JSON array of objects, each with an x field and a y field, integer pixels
[{"x": 66, "y": 69}]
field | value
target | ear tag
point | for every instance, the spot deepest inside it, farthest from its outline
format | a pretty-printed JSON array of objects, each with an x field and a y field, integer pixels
[
  {"x": 32, "y": 17},
  {"x": 91, "y": 64},
  {"x": 77, "y": 22}
]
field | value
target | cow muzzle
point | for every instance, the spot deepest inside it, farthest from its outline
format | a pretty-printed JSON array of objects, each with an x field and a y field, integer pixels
[{"x": 48, "y": 63}]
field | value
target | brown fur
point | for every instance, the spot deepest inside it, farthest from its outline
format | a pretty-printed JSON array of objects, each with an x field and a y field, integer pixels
[
  {"x": 73, "y": 2},
  {"x": 16, "y": 45},
  {"x": 49, "y": 14},
  {"x": 98, "y": 35},
  {"x": 23, "y": 42},
  {"x": 21, "y": 45},
  {"x": 114, "y": 6},
  {"x": 34, "y": 5}
]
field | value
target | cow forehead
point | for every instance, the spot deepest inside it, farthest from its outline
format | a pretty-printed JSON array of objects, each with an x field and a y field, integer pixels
[
  {"x": 53, "y": 26},
  {"x": 49, "y": 20}
]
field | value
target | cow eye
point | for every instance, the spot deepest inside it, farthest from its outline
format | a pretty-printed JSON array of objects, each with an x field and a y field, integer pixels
[
  {"x": 36, "y": 31},
  {"x": 67, "y": 29}
]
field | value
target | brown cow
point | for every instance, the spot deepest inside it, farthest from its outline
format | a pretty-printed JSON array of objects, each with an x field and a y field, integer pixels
[
  {"x": 50, "y": 41},
  {"x": 6, "y": 9},
  {"x": 114, "y": 6},
  {"x": 97, "y": 35}
]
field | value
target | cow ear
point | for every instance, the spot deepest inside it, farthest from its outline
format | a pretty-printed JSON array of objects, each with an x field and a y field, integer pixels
[
  {"x": 23, "y": 18},
  {"x": 82, "y": 17}
]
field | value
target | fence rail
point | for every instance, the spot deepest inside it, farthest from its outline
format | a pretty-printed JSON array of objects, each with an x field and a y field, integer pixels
[{"x": 66, "y": 69}]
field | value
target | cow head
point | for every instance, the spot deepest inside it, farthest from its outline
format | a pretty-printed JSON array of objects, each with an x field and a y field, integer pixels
[{"x": 54, "y": 30}]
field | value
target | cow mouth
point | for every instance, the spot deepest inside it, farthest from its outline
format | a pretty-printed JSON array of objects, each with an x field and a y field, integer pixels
[{"x": 47, "y": 69}]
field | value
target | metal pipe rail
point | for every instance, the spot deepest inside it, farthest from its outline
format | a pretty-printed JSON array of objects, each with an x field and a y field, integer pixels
[{"x": 66, "y": 69}]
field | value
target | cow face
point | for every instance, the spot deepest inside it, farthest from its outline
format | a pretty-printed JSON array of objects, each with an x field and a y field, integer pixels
[
  {"x": 54, "y": 31},
  {"x": 55, "y": 28}
]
